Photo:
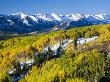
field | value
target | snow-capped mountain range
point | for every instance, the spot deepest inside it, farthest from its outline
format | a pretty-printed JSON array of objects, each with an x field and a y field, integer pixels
[{"x": 23, "y": 23}]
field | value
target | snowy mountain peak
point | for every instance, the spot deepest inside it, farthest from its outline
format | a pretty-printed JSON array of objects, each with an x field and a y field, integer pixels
[
  {"x": 76, "y": 17},
  {"x": 20, "y": 14},
  {"x": 56, "y": 17}
]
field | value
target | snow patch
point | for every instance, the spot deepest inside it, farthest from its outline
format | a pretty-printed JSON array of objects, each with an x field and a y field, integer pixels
[
  {"x": 33, "y": 18},
  {"x": 85, "y": 40}
]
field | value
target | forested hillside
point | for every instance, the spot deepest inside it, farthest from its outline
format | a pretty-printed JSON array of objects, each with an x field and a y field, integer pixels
[{"x": 76, "y": 62}]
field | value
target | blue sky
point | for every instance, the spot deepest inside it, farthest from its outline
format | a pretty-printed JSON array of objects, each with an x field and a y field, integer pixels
[{"x": 56, "y": 6}]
